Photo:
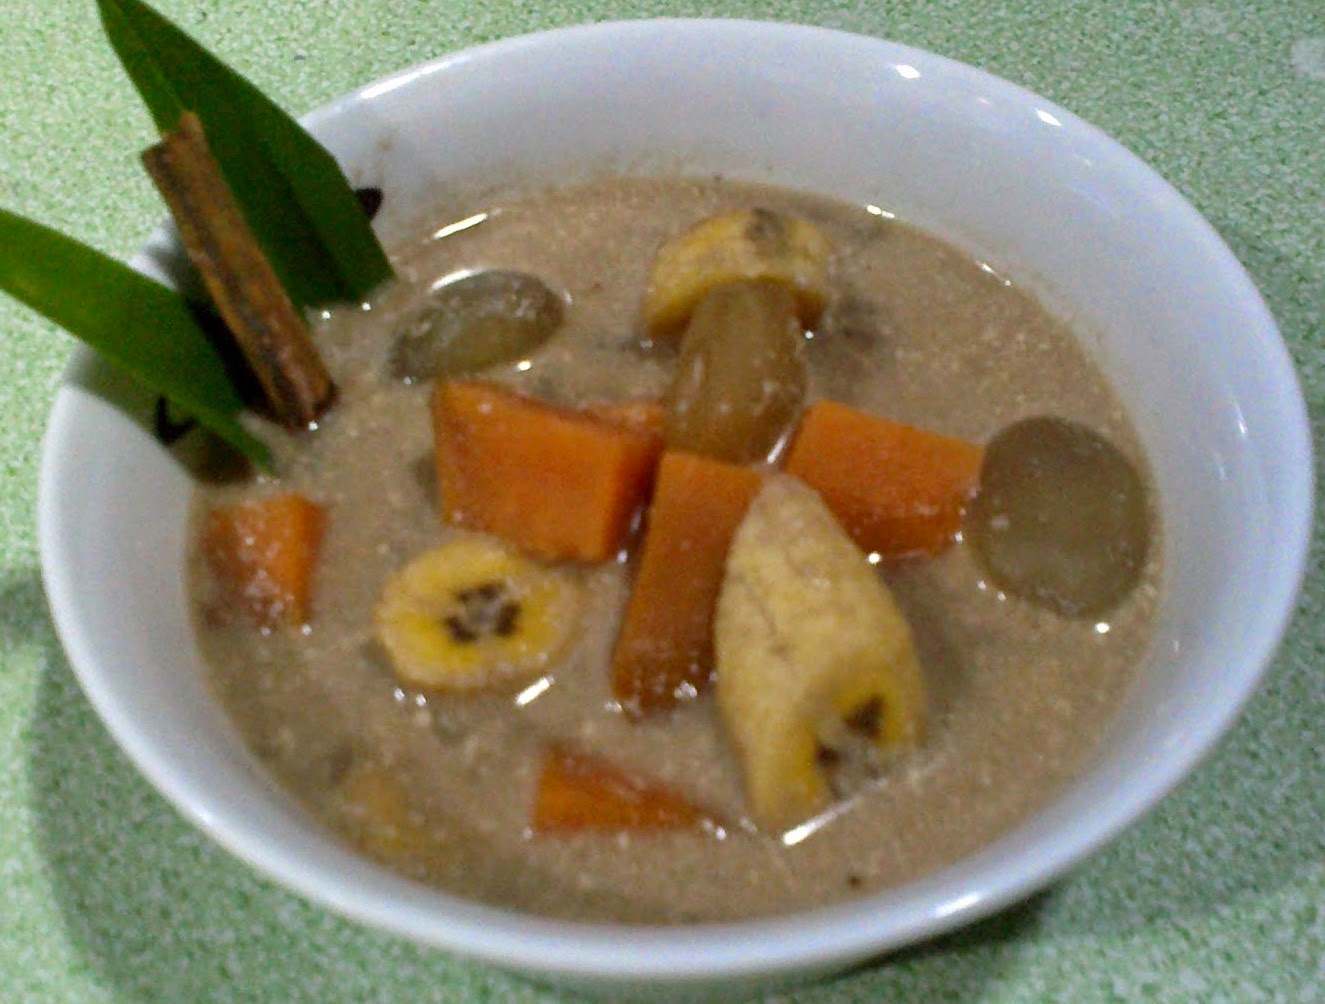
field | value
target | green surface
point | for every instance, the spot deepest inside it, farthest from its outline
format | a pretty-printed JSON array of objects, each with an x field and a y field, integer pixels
[{"x": 106, "y": 894}]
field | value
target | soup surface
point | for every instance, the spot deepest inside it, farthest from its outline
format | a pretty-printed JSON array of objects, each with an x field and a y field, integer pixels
[{"x": 918, "y": 332}]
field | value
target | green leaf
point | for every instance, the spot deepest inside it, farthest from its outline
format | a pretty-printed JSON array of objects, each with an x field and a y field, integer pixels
[
  {"x": 290, "y": 189},
  {"x": 145, "y": 328}
]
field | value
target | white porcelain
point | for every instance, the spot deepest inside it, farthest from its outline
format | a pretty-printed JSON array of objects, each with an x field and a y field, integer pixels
[{"x": 1168, "y": 311}]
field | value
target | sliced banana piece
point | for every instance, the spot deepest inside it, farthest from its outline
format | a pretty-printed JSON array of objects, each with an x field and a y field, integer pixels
[
  {"x": 376, "y": 806},
  {"x": 474, "y": 614},
  {"x": 729, "y": 247},
  {"x": 811, "y": 652}
]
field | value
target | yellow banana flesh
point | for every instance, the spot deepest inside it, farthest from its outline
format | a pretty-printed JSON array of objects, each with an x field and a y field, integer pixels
[
  {"x": 376, "y": 807},
  {"x": 811, "y": 649},
  {"x": 730, "y": 247},
  {"x": 473, "y": 614}
]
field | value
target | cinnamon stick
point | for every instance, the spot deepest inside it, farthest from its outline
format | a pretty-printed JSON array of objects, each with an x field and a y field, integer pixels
[{"x": 268, "y": 327}]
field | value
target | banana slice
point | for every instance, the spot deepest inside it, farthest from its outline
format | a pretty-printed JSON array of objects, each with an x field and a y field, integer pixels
[
  {"x": 474, "y": 614},
  {"x": 745, "y": 244},
  {"x": 812, "y": 653},
  {"x": 376, "y": 806}
]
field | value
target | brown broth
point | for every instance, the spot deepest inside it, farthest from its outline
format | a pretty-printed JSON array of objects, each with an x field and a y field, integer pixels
[{"x": 920, "y": 333}]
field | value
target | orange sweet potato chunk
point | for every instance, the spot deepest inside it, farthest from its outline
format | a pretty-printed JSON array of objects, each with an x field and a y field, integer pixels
[
  {"x": 664, "y": 651},
  {"x": 896, "y": 489},
  {"x": 556, "y": 483},
  {"x": 263, "y": 554},
  {"x": 579, "y": 792}
]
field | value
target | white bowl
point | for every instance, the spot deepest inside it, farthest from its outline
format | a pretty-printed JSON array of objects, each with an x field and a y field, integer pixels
[{"x": 1163, "y": 304}]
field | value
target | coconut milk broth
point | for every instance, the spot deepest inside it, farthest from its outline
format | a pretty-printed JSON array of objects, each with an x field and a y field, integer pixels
[{"x": 920, "y": 333}]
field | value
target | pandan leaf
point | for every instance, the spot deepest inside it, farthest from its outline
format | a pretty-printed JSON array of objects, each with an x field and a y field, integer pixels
[
  {"x": 290, "y": 189},
  {"x": 141, "y": 326}
]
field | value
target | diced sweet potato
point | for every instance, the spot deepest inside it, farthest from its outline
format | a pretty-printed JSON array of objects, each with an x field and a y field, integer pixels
[
  {"x": 664, "y": 651},
  {"x": 554, "y": 482},
  {"x": 896, "y": 489},
  {"x": 263, "y": 555},
  {"x": 578, "y": 792}
]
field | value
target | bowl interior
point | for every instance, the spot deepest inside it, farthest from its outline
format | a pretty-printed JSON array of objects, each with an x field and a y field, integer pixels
[{"x": 1155, "y": 295}]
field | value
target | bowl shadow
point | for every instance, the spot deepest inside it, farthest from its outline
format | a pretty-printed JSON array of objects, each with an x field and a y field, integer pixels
[{"x": 157, "y": 910}]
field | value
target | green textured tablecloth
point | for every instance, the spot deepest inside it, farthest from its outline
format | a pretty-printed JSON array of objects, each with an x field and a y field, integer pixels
[{"x": 107, "y": 895}]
